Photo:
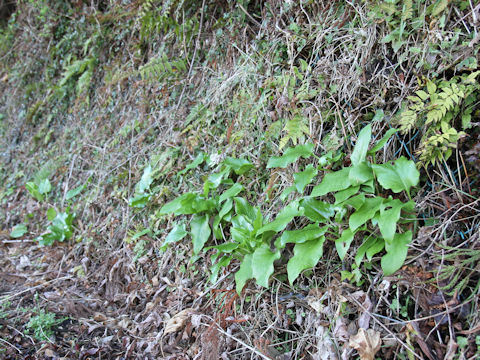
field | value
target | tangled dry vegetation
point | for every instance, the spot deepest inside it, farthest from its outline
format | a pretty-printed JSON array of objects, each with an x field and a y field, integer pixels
[{"x": 105, "y": 107}]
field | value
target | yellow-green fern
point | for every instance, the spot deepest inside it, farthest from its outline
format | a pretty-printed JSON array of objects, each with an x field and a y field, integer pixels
[{"x": 434, "y": 109}]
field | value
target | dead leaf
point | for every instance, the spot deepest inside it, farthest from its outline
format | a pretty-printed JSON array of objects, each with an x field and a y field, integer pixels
[
  {"x": 367, "y": 343},
  {"x": 178, "y": 321},
  {"x": 325, "y": 347}
]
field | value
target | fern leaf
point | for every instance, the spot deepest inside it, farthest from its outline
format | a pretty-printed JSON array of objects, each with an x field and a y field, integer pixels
[{"x": 295, "y": 129}]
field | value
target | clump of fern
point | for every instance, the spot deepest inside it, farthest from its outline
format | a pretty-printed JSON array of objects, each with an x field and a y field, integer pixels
[{"x": 436, "y": 108}]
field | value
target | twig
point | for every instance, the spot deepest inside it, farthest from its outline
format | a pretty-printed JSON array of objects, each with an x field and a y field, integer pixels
[
  {"x": 252, "y": 349},
  {"x": 11, "y": 345}
]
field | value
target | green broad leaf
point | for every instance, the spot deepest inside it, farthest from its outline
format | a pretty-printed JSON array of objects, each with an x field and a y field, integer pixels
[
  {"x": 61, "y": 228},
  {"x": 234, "y": 190},
  {"x": 244, "y": 273},
  {"x": 215, "y": 268},
  {"x": 200, "y": 232},
  {"x": 287, "y": 192},
  {"x": 145, "y": 182},
  {"x": 243, "y": 207},
  {"x": 242, "y": 222},
  {"x": 200, "y": 204},
  {"x": 51, "y": 214},
  {"x": 366, "y": 212},
  {"x": 46, "y": 239},
  {"x": 342, "y": 244},
  {"x": 214, "y": 180},
  {"x": 262, "y": 264},
  {"x": 225, "y": 248},
  {"x": 176, "y": 234},
  {"x": 356, "y": 202},
  {"x": 381, "y": 143},
  {"x": 305, "y": 256},
  {"x": 32, "y": 188},
  {"x": 343, "y": 195},
  {"x": 18, "y": 231},
  {"x": 304, "y": 178},
  {"x": 217, "y": 231},
  {"x": 44, "y": 187},
  {"x": 74, "y": 192},
  {"x": 363, "y": 249},
  {"x": 388, "y": 218},
  {"x": 396, "y": 253},
  {"x": 194, "y": 164},
  {"x": 240, "y": 235},
  {"x": 283, "y": 219},
  {"x": 227, "y": 206},
  {"x": 375, "y": 249},
  {"x": 360, "y": 174},
  {"x": 333, "y": 182},
  {"x": 180, "y": 205},
  {"x": 361, "y": 147},
  {"x": 316, "y": 210},
  {"x": 398, "y": 177},
  {"x": 239, "y": 166},
  {"x": 290, "y": 156},
  {"x": 139, "y": 201},
  {"x": 309, "y": 232}
]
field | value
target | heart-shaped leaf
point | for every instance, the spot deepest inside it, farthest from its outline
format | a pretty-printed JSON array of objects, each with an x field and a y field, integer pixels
[
  {"x": 396, "y": 253},
  {"x": 262, "y": 264},
  {"x": 200, "y": 231},
  {"x": 305, "y": 256},
  {"x": 44, "y": 187},
  {"x": 244, "y": 273},
  {"x": 398, "y": 177}
]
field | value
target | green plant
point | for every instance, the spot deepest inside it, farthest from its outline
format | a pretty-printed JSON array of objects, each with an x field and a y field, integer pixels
[
  {"x": 358, "y": 210},
  {"x": 403, "y": 17},
  {"x": 18, "y": 231},
  {"x": 60, "y": 228},
  {"x": 39, "y": 188},
  {"x": 436, "y": 110},
  {"x": 42, "y": 324}
]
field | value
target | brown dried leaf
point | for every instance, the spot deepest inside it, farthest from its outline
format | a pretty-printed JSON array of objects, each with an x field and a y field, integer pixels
[
  {"x": 178, "y": 321},
  {"x": 367, "y": 343}
]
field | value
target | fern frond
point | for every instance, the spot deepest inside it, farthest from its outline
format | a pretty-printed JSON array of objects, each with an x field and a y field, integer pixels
[
  {"x": 295, "y": 129},
  {"x": 161, "y": 68},
  {"x": 408, "y": 120}
]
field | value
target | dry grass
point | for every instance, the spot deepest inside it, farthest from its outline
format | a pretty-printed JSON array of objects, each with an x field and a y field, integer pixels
[{"x": 119, "y": 297}]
